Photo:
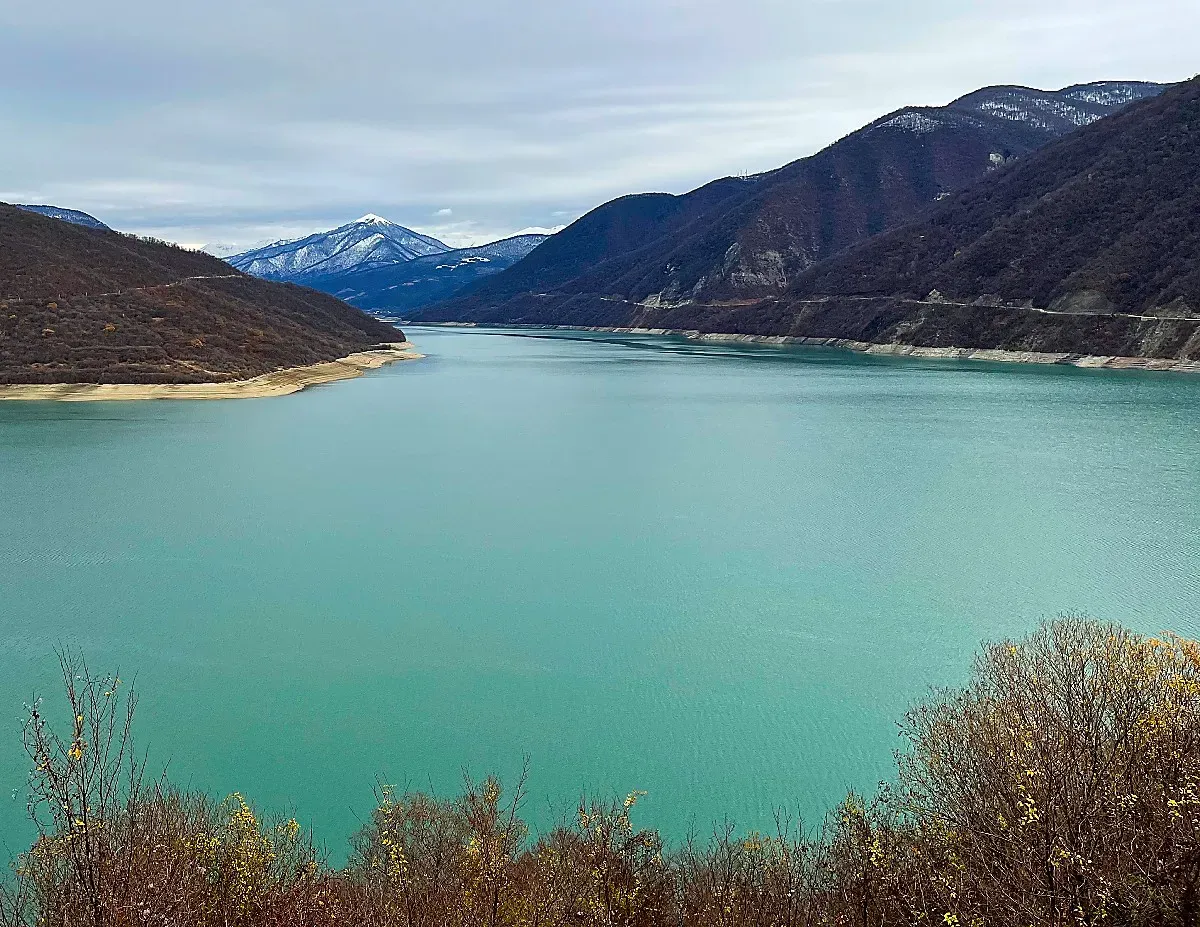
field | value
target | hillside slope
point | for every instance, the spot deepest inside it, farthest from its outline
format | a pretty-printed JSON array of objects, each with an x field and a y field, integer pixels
[
  {"x": 740, "y": 240},
  {"x": 616, "y": 230},
  {"x": 81, "y": 305},
  {"x": 1090, "y": 246},
  {"x": 1103, "y": 222}
]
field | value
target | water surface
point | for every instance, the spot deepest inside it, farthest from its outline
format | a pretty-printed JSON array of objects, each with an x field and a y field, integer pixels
[{"x": 715, "y": 574}]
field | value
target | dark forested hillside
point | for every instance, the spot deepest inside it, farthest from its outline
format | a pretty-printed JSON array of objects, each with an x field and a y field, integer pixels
[
  {"x": 1092, "y": 245},
  {"x": 81, "y": 305},
  {"x": 1102, "y": 222},
  {"x": 739, "y": 240}
]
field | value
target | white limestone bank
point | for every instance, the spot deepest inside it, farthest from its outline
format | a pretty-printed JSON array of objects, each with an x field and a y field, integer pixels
[{"x": 995, "y": 355}]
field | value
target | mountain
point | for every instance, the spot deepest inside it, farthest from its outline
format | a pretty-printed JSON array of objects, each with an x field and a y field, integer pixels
[
  {"x": 224, "y": 250},
  {"x": 371, "y": 241},
  {"x": 1088, "y": 248},
  {"x": 74, "y": 216},
  {"x": 1091, "y": 245},
  {"x": 82, "y": 305},
  {"x": 380, "y": 266},
  {"x": 739, "y": 240},
  {"x": 400, "y": 288}
]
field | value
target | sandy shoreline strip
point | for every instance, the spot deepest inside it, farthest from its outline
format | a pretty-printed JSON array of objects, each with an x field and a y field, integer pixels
[
  {"x": 995, "y": 355},
  {"x": 277, "y": 383}
]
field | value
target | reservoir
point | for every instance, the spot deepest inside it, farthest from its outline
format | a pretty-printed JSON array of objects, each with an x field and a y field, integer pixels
[{"x": 718, "y": 574}]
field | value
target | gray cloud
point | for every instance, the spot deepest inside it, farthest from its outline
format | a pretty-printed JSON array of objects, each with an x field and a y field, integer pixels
[{"x": 252, "y": 120}]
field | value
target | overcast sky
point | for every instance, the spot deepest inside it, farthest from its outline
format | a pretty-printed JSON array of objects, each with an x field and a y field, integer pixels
[{"x": 239, "y": 121}]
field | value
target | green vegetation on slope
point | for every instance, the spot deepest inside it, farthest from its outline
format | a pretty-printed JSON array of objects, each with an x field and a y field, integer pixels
[{"x": 1061, "y": 786}]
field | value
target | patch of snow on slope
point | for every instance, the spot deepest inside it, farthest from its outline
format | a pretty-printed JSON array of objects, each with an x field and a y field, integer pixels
[
  {"x": 74, "y": 216},
  {"x": 1036, "y": 110},
  {"x": 1065, "y": 110},
  {"x": 1116, "y": 94},
  {"x": 914, "y": 122},
  {"x": 1012, "y": 112},
  {"x": 470, "y": 259}
]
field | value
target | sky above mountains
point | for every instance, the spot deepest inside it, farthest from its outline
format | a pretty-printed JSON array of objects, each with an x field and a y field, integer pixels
[{"x": 250, "y": 121}]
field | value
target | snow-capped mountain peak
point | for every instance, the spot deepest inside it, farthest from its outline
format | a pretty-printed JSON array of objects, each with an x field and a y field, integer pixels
[
  {"x": 399, "y": 288},
  {"x": 369, "y": 242}
]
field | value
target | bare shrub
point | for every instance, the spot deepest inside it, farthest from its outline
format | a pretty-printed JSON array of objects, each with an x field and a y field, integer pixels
[
  {"x": 112, "y": 851},
  {"x": 600, "y": 870},
  {"x": 758, "y": 879},
  {"x": 1059, "y": 788},
  {"x": 424, "y": 861}
]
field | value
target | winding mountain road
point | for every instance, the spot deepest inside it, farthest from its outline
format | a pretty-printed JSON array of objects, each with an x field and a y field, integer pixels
[{"x": 136, "y": 289}]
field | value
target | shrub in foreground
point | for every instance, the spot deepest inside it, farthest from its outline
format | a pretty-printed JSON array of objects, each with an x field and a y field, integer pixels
[{"x": 1061, "y": 786}]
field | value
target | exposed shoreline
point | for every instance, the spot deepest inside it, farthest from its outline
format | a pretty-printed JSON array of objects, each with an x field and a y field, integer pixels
[
  {"x": 277, "y": 383},
  {"x": 995, "y": 355}
]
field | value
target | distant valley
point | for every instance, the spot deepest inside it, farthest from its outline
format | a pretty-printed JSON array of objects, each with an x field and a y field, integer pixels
[
  {"x": 401, "y": 288},
  {"x": 1055, "y": 223}
]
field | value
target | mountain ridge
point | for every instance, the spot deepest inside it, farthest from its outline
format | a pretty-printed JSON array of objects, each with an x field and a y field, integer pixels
[
  {"x": 380, "y": 266},
  {"x": 744, "y": 239},
  {"x": 1086, "y": 251},
  {"x": 74, "y": 216},
  {"x": 370, "y": 241}
]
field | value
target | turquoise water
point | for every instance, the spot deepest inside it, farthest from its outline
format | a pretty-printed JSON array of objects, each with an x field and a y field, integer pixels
[{"x": 716, "y": 574}]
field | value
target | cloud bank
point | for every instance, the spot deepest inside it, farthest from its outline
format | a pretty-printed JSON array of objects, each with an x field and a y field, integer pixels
[{"x": 251, "y": 121}]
